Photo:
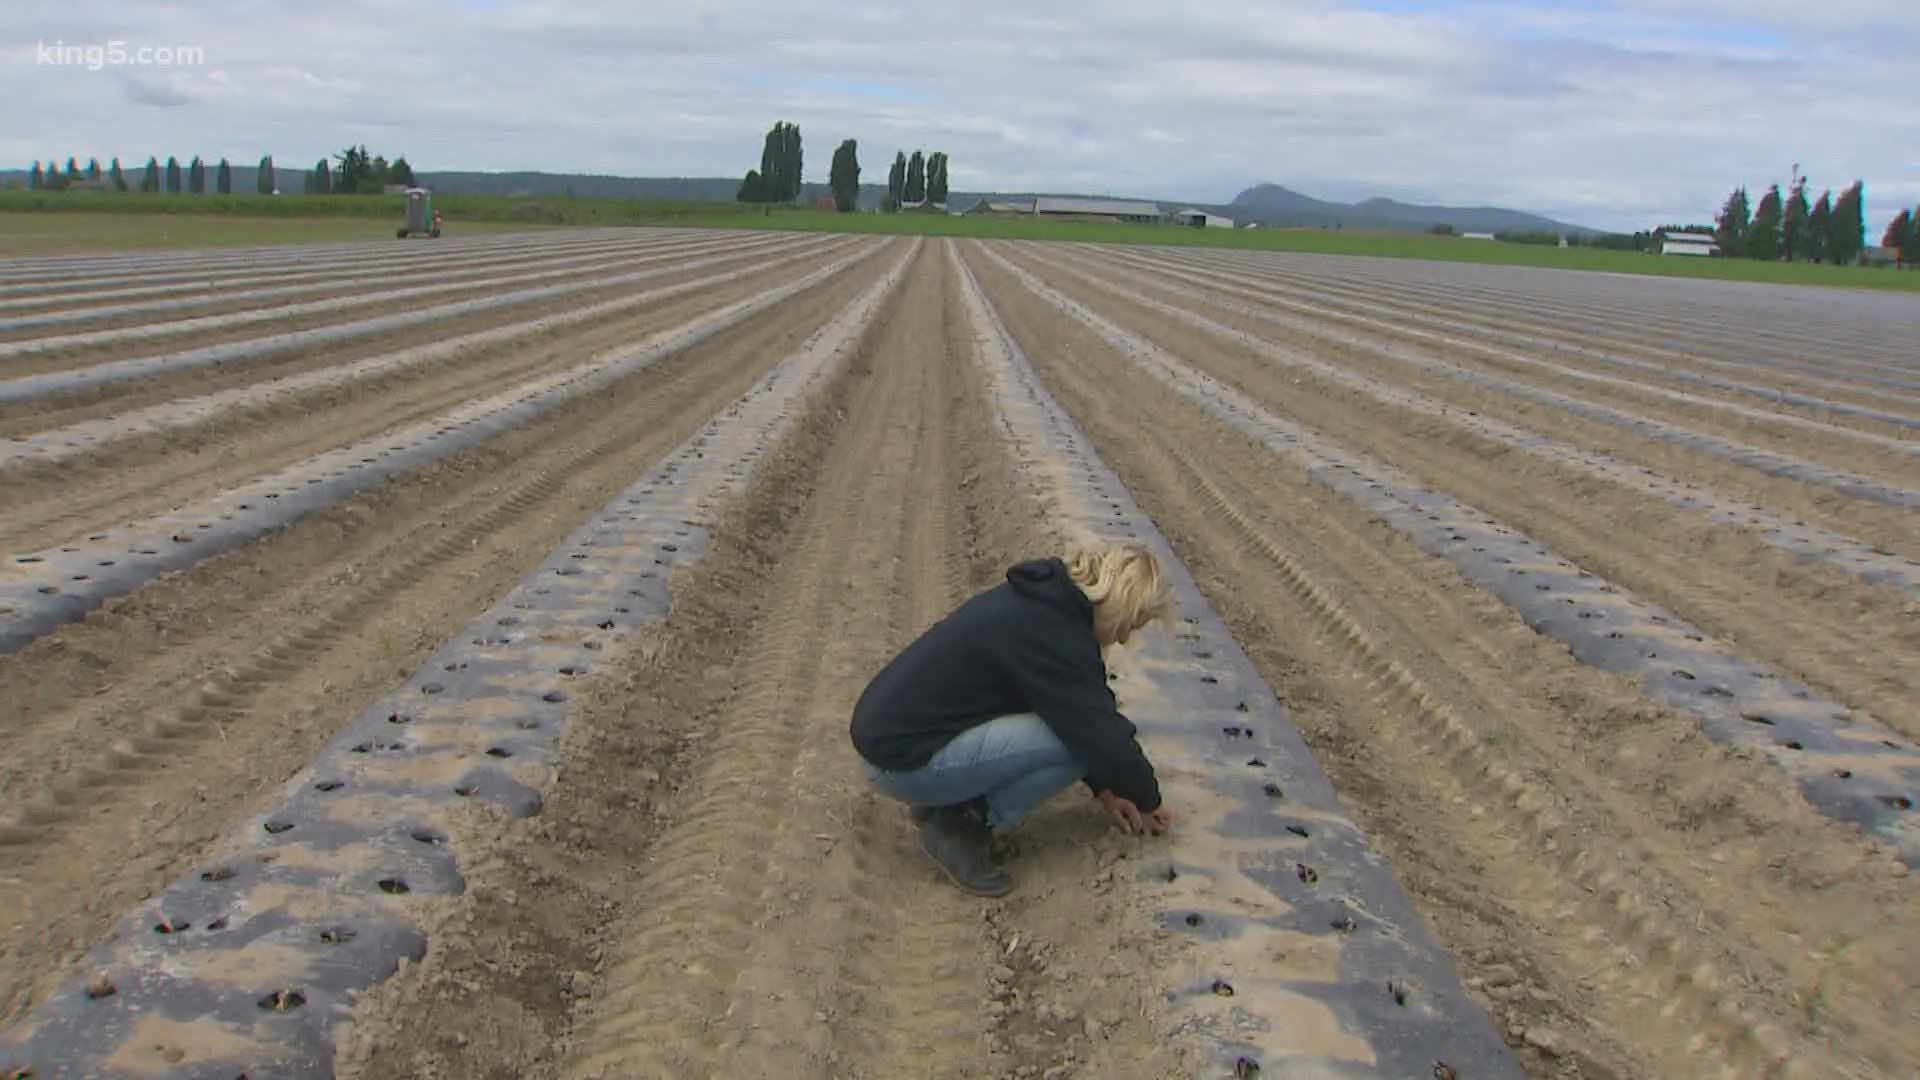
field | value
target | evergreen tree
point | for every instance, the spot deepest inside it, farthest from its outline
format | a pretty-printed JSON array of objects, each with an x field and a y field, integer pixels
[
  {"x": 263, "y": 178},
  {"x": 844, "y": 177},
  {"x": 1731, "y": 227},
  {"x": 35, "y": 179},
  {"x": 1820, "y": 229},
  {"x": 223, "y": 179},
  {"x": 173, "y": 176},
  {"x": 322, "y": 178},
  {"x": 93, "y": 168},
  {"x": 916, "y": 178},
  {"x": 73, "y": 170},
  {"x": 196, "y": 177},
  {"x": 150, "y": 183},
  {"x": 1848, "y": 232},
  {"x": 355, "y": 176},
  {"x": 1899, "y": 235},
  {"x": 795, "y": 162},
  {"x": 780, "y": 164},
  {"x": 897, "y": 180},
  {"x": 1793, "y": 228},
  {"x": 116, "y": 177},
  {"x": 1909, "y": 249},
  {"x": 937, "y": 178},
  {"x": 400, "y": 173},
  {"x": 1763, "y": 237}
]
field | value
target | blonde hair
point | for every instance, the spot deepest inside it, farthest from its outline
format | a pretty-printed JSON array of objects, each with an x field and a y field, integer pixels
[{"x": 1124, "y": 582}]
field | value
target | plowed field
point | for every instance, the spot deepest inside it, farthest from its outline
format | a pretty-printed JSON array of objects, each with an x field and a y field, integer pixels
[{"x": 434, "y": 660}]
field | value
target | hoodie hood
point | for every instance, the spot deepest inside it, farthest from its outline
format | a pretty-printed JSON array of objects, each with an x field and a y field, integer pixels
[{"x": 1047, "y": 581}]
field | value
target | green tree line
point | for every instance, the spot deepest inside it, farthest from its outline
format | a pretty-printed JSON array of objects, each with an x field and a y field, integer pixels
[
  {"x": 1830, "y": 230},
  {"x": 1903, "y": 236},
  {"x": 777, "y": 180},
  {"x": 357, "y": 172},
  {"x": 911, "y": 181},
  {"x": 354, "y": 171}
]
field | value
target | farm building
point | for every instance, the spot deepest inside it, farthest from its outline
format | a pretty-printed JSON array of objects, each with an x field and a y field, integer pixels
[
  {"x": 1685, "y": 243},
  {"x": 1064, "y": 209},
  {"x": 1477, "y": 236},
  {"x": 1000, "y": 208},
  {"x": 1201, "y": 219}
]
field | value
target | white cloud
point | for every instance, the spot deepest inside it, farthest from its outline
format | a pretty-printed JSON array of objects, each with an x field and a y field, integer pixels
[{"x": 1619, "y": 114}]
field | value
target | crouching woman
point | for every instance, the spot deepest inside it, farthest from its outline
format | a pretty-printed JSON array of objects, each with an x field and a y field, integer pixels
[{"x": 1004, "y": 702}]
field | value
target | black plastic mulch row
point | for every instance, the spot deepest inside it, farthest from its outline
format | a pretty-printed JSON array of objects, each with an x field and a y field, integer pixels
[
  {"x": 1395, "y": 1007},
  {"x": 45, "y": 589},
  {"x": 1847, "y": 767},
  {"x": 245, "y": 966}
]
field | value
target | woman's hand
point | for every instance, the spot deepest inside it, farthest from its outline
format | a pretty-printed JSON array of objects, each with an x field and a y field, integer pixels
[
  {"x": 1131, "y": 819},
  {"x": 1160, "y": 820}
]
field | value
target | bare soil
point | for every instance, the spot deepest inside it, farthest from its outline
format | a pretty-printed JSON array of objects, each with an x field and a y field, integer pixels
[{"x": 711, "y": 890}]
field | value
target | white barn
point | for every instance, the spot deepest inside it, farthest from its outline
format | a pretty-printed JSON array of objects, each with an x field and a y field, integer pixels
[
  {"x": 1201, "y": 219},
  {"x": 1683, "y": 243},
  {"x": 1077, "y": 209}
]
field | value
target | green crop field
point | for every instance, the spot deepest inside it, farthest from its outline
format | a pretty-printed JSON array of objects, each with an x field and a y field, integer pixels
[{"x": 34, "y": 222}]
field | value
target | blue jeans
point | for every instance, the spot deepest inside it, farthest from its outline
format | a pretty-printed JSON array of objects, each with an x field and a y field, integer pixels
[{"x": 1015, "y": 761}]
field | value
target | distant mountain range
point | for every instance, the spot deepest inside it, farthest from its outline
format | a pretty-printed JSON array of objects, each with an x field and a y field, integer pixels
[
  {"x": 1272, "y": 204},
  {"x": 1268, "y": 204}
]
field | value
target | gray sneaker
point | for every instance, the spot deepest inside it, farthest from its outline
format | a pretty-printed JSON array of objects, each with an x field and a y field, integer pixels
[{"x": 958, "y": 844}]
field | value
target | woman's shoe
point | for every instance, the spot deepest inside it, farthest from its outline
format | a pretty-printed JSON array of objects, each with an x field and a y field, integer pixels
[{"x": 958, "y": 843}]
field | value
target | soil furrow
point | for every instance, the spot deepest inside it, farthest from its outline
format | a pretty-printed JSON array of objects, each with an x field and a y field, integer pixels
[
  {"x": 742, "y": 899},
  {"x": 1690, "y": 335},
  {"x": 22, "y": 354},
  {"x": 203, "y": 269},
  {"x": 48, "y": 587},
  {"x": 1198, "y": 308},
  {"x": 75, "y": 363},
  {"x": 56, "y": 433},
  {"x": 35, "y": 275},
  {"x": 1879, "y": 448},
  {"x": 1734, "y": 380},
  {"x": 1824, "y": 321},
  {"x": 1793, "y": 487},
  {"x": 1845, "y": 638},
  {"x": 533, "y": 265},
  {"x": 1551, "y": 824},
  {"x": 1842, "y": 760},
  {"x": 1636, "y": 847},
  {"x": 648, "y": 726},
  {"x": 145, "y": 475},
  {"x": 276, "y": 356},
  {"x": 262, "y": 651},
  {"x": 262, "y": 284}
]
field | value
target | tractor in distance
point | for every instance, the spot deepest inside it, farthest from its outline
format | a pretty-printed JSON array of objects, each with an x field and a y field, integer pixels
[{"x": 422, "y": 218}]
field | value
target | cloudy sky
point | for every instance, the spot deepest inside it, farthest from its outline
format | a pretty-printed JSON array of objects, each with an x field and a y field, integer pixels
[{"x": 1611, "y": 113}]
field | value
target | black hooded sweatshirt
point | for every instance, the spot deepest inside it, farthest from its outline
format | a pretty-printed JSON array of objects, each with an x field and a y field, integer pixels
[{"x": 1023, "y": 646}]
